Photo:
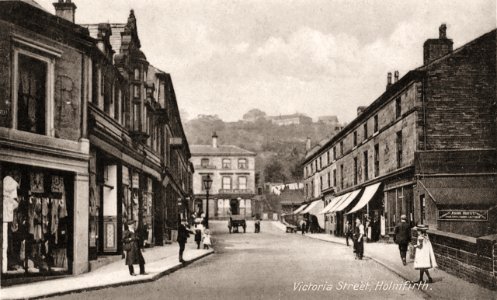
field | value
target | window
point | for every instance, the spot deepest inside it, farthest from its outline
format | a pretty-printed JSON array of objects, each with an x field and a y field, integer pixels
[
  {"x": 312, "y": 188},
  {"x": 137, "y": 74},
  {"x": 355, "y": 138},
  {"x": 242, "y": 163},
  {"x": 399, "y": 149},
  {"x": 204, "y": 162},
  {"x": 204, "y": 177},
  {"x": 328, "y": 161},
  {"x": 226, "y": 163},
  {"x": 136, "y": 116},
  {"x": 356, "y": 169},
  {"x": 329, "y": 179},
  {"x": 334, "y": 153},
  {"x": 365, "y": 127},
  {"x": 341, "y": 177},
  {"x": 242, "y": 183},
  {"x": 334, "y": 177},
  {"x": 307, "y": 189},
  {"x": 320, "y": 183},
  {"x": 366, "y": 171},
  {"x": 422, "y": 206},
  {"x": 320, "y": 163},
  {"x": 117, "y": 103},
  {"x": 376, "y": 160},
  {"x": 376, "y": 123},
  {"x": 32, "y": 95},
  {"x": 397, "y": 108},
  {"x": 136, "y": 91},
  {"x": 226, "y": 183},
  {"x": 341, "y": 148}
]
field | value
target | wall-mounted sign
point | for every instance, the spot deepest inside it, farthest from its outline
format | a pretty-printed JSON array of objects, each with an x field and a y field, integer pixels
[
  {"x": 462, "y": 215},
  {"x": 176, "y": 141}
]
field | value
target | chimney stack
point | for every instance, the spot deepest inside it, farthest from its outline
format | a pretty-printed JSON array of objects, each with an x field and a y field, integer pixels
[
  {"x": 361, "y": 109},
  {"x": 308, "y": 144},
  {"x": 389, "y": 79},
  {"x": 65, "y": 9},
  {"x": 436, "y": 48},
  {"x": 395, "y": 76},
  {"x": 214, "y": 140}
]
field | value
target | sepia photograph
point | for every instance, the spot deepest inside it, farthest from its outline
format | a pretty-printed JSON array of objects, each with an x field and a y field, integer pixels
[{"x": 248, "y": 149}]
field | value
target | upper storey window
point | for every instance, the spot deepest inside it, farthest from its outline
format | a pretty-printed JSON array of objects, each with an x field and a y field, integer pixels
[
  {"x": 204, "y": 163},
  {"x": 226, "y": 163},
  {"x": 242, "y": 163}
]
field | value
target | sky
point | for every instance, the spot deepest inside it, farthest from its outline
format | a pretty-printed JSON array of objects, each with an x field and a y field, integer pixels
[{"x": 319, "y": 57}]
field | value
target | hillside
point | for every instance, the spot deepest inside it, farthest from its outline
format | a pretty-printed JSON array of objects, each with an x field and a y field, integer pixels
[{"x": 279, "y": 149}]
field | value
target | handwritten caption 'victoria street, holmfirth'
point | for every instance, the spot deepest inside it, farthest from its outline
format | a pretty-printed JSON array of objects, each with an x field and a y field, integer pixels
[{"x": 358, "y": 286}]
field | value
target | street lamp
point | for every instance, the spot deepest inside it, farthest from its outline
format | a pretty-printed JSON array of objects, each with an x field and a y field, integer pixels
[{"x": 207, "y": 186}]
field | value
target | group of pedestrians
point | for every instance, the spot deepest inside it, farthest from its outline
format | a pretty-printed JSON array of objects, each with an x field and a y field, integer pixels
[
  {"x": 133, "y": 246},
  {"x": 424, "y": 258}
]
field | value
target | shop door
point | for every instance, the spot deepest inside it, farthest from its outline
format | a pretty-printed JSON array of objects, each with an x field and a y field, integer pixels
[
  {"x": 235, "y": 207},
  {"x": 110, "y": 209}
]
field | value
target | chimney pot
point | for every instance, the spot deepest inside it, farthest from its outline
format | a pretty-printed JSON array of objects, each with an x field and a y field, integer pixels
[
  {"x": 214, "y": 139},
  {"x": 396, "y": 76},
  {"x": 65, "y": 9},
  {"x": 389, "y": 79}
]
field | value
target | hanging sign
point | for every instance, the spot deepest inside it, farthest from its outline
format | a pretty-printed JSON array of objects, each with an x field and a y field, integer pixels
[{"x": 462, "y": 215}]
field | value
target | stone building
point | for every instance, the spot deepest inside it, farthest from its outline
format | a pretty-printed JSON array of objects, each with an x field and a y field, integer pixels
[
  {"x": 90, "y": 134},
  {"x": 425, "y": 148},
  {"x": 232, "y": 170},
  {"x": 295, "y": 119}
]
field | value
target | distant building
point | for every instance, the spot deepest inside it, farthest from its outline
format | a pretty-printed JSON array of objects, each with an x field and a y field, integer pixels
[
  {"x": 295, "y": 119},
  {"x": 232, "y": 170},
  {"x": 254, "y": 115},
  {"x": 332, "y": 121}
]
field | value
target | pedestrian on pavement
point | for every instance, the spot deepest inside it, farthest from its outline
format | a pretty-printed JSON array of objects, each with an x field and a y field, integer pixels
[
  {"x": 131, "y": 244},
  {"x": 198, "y": 235},
  {"x": 183, "y": 235},
  {"x": 303, "y": 226},
  {"x": 348, "y": 232},
  {"x": 425, "y": 257},
  {"x": 207, "y": 239},
  {"x": 402, "y": 236},
  {"x": 360, "y": 239}
]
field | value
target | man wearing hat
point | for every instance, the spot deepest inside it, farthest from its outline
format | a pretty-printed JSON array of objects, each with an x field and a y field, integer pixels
[
  {"x": 402, "y": 237},
  {"x": 131, "y": 246},
  {"x": 183, "y": 235}
]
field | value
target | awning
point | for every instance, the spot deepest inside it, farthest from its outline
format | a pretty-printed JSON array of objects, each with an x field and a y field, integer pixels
[
  {"x": 330, "y": 205},
  {"x": 368, "y": 194},
  {"x": 310, "y": 207},
  {"x": 301, "y": 208},
  {"x": 348, "y": 198}
]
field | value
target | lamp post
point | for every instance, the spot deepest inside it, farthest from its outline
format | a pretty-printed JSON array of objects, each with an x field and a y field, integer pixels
[{"x": 207, "y": 186}]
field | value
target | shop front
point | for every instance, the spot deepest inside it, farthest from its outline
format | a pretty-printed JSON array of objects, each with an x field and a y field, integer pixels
[
  {"x": 37, "y": 221},
  {"x": 369, "y": 209}
]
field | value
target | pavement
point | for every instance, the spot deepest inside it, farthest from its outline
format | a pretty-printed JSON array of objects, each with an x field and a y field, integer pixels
[
  {"x": 159, "y": 261},
  {"x": 445, "y": 285}
]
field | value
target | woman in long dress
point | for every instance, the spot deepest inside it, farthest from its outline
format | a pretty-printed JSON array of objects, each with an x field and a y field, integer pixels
[{"x": 425, "y": 257}]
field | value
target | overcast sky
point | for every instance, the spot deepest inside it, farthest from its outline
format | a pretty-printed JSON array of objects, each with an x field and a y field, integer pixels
[{"x": 316, "y": 57}]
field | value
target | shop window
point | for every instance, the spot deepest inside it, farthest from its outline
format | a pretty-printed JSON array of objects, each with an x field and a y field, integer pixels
[
  {"x": 226, "y": 163},
  {"x": 242, "y": 183},
  {"x": 226, "y": 183},
  {"x": 242, "y": 163},
  {"x": 36, "y": 222},
  {"x": 34, "y": 101}
]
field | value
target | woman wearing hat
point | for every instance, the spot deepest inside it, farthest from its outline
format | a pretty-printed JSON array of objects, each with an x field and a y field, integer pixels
[
  {"x": 131, "y": 246},
  {"x": 425, "y": 257}
]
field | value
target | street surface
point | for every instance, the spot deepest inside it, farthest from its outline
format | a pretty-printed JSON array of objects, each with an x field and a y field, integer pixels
[{"x": 269, "y": 265}]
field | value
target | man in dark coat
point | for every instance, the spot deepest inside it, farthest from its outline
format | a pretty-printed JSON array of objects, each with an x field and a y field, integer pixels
[
  {"x": 131, "y": 246},
  {"x": 402, "y": 236},
  {"x": 183, "y": 235}
]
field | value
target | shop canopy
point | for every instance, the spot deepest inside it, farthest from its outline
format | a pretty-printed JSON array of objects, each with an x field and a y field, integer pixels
[
  {"x": 348, "y": 198},
  {"x": 334, "y": 202},
  {"x": 300, "y": 209},
  {"x": 310, "y": 207},
  {"x": 368, "y": 194}
]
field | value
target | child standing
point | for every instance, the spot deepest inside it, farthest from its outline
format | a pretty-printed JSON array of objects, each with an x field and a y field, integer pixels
[
  {"x": 207, "y": 239},
  {"x": 425, "y": 257}
]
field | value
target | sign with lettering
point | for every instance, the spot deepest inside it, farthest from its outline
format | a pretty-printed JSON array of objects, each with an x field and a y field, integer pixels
[{"x": 462, "y": 215}]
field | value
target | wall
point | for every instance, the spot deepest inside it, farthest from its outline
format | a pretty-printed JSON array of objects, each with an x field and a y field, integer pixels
[{"x": 460, "y": 92}]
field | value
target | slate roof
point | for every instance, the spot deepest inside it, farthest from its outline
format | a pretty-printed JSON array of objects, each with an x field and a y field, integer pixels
[
  {"x": 220, "y": 150},
  {"x": 30, "y": 2}
]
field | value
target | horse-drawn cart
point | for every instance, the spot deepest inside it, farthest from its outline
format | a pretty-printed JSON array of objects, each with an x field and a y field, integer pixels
[{"x": 235, "y": 222}]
